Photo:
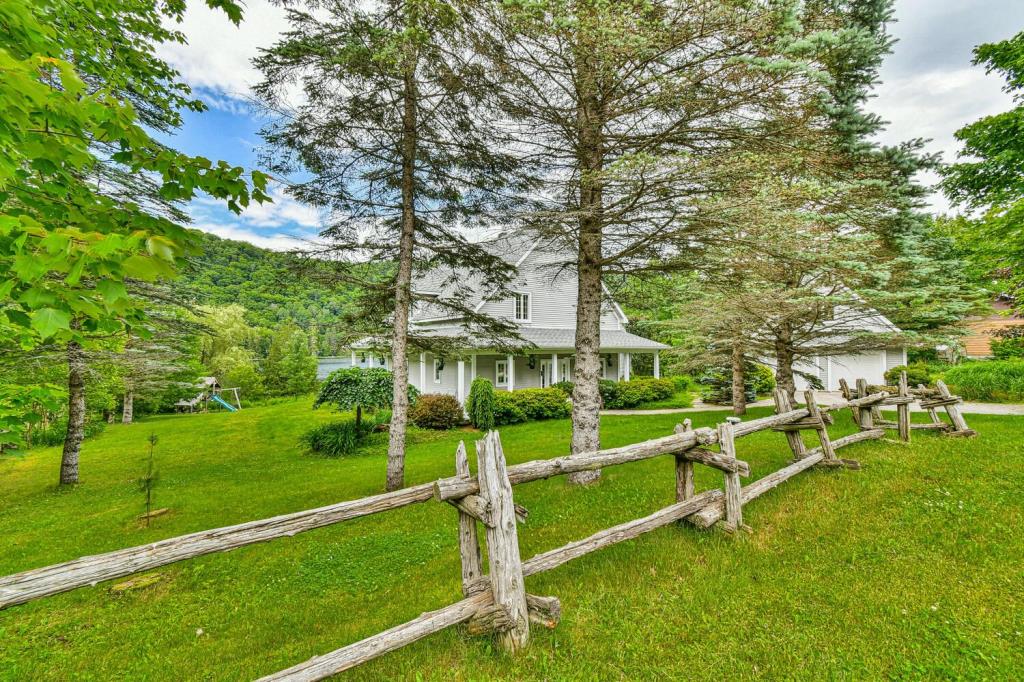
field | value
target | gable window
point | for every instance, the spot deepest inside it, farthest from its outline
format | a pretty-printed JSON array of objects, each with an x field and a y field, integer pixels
[
  {"x": 438, "y": 368},
  {"x": 522, "y": 304},
  {"x": 501, "y": 373}
]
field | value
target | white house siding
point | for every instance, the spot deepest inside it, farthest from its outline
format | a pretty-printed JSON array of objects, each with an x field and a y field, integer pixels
[
  {"x": 552, "y": 299},
  {"x": 869, "y": 365}
]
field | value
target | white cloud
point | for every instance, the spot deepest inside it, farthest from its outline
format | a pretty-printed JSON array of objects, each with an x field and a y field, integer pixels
[
  {"x": 934, "y": 105},
  {"x": 277, "y": 241},
  {"x": 218, "y": 54}
]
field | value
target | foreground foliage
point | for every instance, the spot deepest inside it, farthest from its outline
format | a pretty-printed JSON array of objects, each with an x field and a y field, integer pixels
[{"x": 924, "y": 544}]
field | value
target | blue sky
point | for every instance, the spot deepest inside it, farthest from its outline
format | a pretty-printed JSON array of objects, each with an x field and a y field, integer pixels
[{"x": 928, "y": 89}]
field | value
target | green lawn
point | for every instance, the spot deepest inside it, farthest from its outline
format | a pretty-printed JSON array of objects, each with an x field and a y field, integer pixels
[{"x": 911, "y": 567}]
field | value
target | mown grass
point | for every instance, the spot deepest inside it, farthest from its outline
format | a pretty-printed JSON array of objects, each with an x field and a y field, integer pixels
[{"x": 909, "y": 568}]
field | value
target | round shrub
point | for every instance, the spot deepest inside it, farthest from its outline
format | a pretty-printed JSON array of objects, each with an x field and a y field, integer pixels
[
  {"x": 916, "y": 374},
  {"x": 436, "y": 411},
  {"x": 480, "y": 404},
  {"x": 506, "y": 410}
]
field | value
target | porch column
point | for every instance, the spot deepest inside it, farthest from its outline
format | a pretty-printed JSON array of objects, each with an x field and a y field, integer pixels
[
  {"x": 657, "y": 365},
  {"x": 354, "y": 359},
  {"x": 423, "y": 373},
  {"x": 629, "y": 364},
  {"x": 511, "y": 372},
  {"x": 369, "y": 360},
  {"x": 472, "y": 368},
  {"x": 461, "y": 368},
  {"x": 554, "y": 368}
]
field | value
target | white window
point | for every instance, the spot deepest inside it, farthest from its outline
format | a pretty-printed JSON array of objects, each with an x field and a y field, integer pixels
[
  {"x": 522, "y": 304},
  {"x": 438, "y": 368},
  {"x": 501, "y": 373}
]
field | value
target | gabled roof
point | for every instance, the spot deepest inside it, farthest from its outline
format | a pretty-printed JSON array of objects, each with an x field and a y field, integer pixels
[
  {"x": 544, "y": 338},
  {"x": 513, "y": 247}
]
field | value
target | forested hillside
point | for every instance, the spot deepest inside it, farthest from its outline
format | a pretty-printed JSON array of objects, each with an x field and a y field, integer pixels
[{"x": 267, "y": 284}]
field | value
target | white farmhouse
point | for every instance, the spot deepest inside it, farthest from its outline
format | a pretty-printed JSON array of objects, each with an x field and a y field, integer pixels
[{"x": 543, "y": 308}]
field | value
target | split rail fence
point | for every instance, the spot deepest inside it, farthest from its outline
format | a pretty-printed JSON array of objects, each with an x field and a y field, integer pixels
[{"x": 498, "y": 602}]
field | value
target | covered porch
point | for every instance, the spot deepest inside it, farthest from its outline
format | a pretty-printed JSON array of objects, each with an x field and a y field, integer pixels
[{"x": 539, "y": 368}]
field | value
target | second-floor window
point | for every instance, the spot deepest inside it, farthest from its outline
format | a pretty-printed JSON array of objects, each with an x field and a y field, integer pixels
[{"x": 522, "y": 305}]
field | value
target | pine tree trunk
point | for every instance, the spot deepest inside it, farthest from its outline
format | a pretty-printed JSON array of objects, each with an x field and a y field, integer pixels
[
  {"x": 76, "y": 415},
  {"x": 128, "y": 411},
  {"x": 403, "y": 284},
  {"x": 586, "y": 398},
  {"x": 784, "y": 362},
  {"x": 739, "y": 392}
]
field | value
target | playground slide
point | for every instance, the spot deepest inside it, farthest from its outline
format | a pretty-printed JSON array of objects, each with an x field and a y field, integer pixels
[{"x": 224, "y": 403}]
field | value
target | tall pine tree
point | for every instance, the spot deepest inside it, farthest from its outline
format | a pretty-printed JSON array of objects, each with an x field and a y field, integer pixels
[{"x": 393, "y": 140}]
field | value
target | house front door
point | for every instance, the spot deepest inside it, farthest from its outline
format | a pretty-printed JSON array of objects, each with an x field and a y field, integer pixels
[
  {"x": 545, "y": 373},
  {"x": 565, "y": 369}
]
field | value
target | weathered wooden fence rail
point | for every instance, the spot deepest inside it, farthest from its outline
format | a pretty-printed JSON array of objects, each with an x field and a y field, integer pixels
[{"x": 498, "y": 602}]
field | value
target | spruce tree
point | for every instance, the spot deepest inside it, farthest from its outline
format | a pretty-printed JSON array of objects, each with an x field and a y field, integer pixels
[
  {"x": 393, "y": 140},
  {"x": 629, "y": 108}
]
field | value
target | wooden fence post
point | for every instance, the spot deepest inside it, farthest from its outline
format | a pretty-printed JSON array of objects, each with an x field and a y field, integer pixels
[
  {"x": 505, "y": 564},
  {"x": 848, "y": 396},
  {"x": 933, "y": 414},
  {"x": 816, "y": 415},
  {"x": 903, "y": 410},
  {"x": 733, "y": 487},
  {"x": 469, "y": 544},
  {"x": 960, "y": 427},
  {"x": 684, "y": 468},
  {"x": 867, "y": 416},
  {"x": 796, "y": 443}
]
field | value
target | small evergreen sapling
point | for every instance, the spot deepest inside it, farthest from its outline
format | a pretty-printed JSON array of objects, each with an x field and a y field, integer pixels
[{"x": 148, "y": 482}]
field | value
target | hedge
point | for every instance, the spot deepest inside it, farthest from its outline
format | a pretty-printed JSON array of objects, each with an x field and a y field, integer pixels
[
  {"x": 1001, "y": 380},
  {"x": 530, "y": 404}
]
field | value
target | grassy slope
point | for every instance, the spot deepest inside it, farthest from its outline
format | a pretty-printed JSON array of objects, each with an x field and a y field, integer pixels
[{"x": 910, "y": 567}]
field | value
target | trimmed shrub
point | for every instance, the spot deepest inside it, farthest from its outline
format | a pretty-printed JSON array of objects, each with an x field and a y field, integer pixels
[
  {"x": 436, "y": 411},
  {"x": 565, "y": 387},
  {"x": 1001, "y": 380},
  {"x": 642, "y": 390},
  {"x": 506, "y": 411},
  {"x": 623, "y": 395},
  {"x": 480, "y": 404},
  {"x": 918, "y": 373},
  {"x": 542, "y": 403}
]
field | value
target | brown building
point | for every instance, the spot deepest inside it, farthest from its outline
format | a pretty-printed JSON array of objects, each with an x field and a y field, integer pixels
[{"x": 978, "y": 341}]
